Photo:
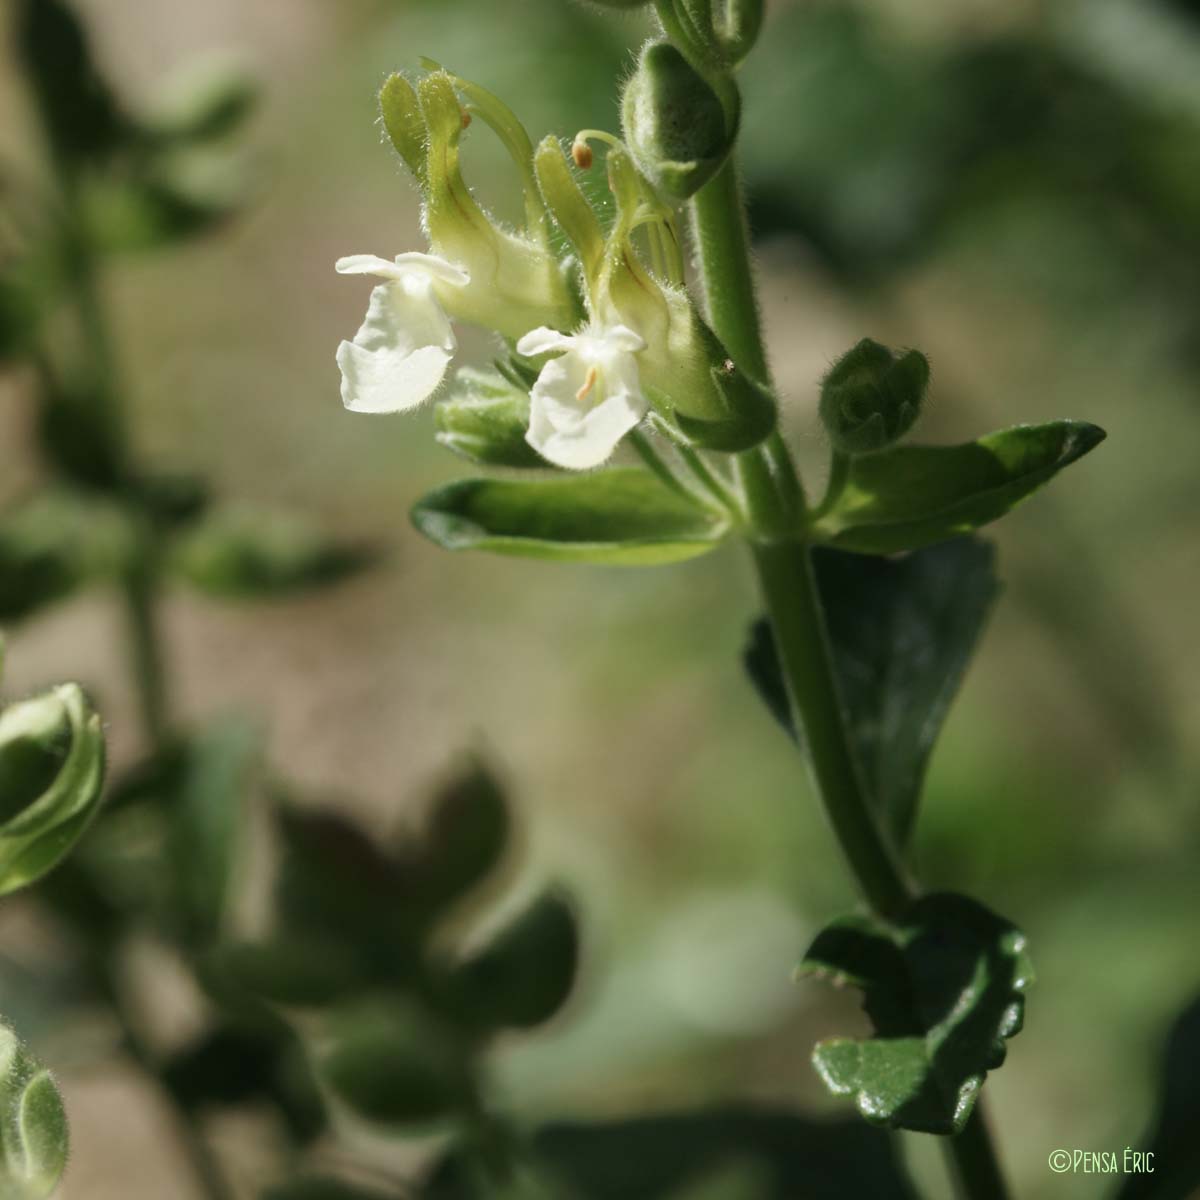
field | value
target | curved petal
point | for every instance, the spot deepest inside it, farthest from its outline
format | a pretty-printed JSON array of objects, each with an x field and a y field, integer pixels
[
  {"x": 384, "y": 381},
  {"x": 590, "y": 440},
  {"x": 433, "y": 267},
  {"x": 543, "y": 340},
  {"x": 367, "y": 264},
  {"x": 405, "y": 315}
]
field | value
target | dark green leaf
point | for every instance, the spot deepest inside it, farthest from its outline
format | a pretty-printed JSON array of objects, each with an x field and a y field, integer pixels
[
  {"x": 751, "y": 414},
  {"x": 624, "y": 516},
  {"x": 202, "y": 106},
  {"x": 392, "y": 1068},
  {"x": 33, "y": 1125},
  {"x": 944, "y": 988},
  {"x": 18, "y": 313},
  {"x": 911, "y": 496},
  {"x": 465, "y": 841},
  {"x": 206, "y": 824},
  {"x": 144, "y": 212},
  {"x": 902, "y": 631},
  {"x": 51, "y": 772},
  {"x": 294, "y": 971},
  {"x": 48, "y": 548},
  {"x": 524, "y": 977},
  {"x": 76, "y": 438},
  {"x": 249, "y": 556},
  {"x": 485, "y": 418},
  {"x": 656, "y": 1157},
  {"x": 1172, "y": 1142},
  {"x": 232, "y": 1064},
  {"x": 80, "y": 115}
]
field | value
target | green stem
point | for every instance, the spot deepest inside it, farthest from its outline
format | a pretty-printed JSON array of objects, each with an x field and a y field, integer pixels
[
  {"x": 973, "y": 1157},
  {"x": 839, "y": 473},
  {"x": 778, "y": 519}
]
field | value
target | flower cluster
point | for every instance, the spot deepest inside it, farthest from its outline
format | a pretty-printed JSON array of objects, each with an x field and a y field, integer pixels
[{"x": 605, "y": 329}]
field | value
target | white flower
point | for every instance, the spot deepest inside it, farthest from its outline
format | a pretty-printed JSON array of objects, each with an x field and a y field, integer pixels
[
  {"x": 400, "y": 353},
  {"x": 584, "y": 402}
]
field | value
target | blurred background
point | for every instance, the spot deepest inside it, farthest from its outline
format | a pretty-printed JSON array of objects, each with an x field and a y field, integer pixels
[{"x": 1013, "y": 186}]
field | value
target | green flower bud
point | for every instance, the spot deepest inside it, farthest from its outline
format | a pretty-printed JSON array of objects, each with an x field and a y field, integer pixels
[
  {"x": 33, "y": 1124},
  {"x": 872, "y": 397},
  {"x": 405, "y": 124},
  {"x": 677, "y": 127},
  {"x": 516, "y": 282},
  {"x": 485, "y": 419},
  {"x": 51, "y": 771}
]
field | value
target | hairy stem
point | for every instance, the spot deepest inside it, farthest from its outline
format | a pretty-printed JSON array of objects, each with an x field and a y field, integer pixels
[{"x": 778, "y": 521}]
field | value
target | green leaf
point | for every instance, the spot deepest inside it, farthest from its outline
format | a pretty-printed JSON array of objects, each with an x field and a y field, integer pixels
[
  {"x": 525, "y": 976},
  {"x": 619, "y": 516},
  {"x": 911, "y": 496},
  {"x": 485, "y": 419},
  {"x": 944, "y": 988},
  {"x": 392, "y": 1068},
  {"x": 206, "y": 102},
  {"x": 241, "y": 555},
  {"x": 51, "y": 545},
  {"x": 158, "y": 208},
  {"x": 902, "y": 631},
  {"x": 206, "y": 822},
  {"x": 80, "y": 115},
  {"x": 656, "y": 1157},
  {"x": 51, "y": 773},
  {"x": 294, "y": 971},
  {"x": 234, "y": 1063},
  {"x": 751, "y": 414},
  {"x": 1172, "y": 1141},
  {"x": 33, "y": 1125},
  {"x": 77, "y": 440}
]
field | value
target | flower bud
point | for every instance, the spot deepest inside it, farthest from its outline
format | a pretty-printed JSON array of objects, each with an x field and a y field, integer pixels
[
  {"x": 405, "y": 124},
  {"x": 485, "y": 419},
  {"x": 677, "y": 127},
  {"x": 33, "y": 1148},
  {"x": 872, "y": 397},
  {"x": 51, "y": 771}
]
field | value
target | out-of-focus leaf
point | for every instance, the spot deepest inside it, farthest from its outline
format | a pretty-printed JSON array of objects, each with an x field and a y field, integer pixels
[
  {"x": 391, "y": 1067},
  {"x": 944, "y": 987},
  {"x": 33, "y": 1125},
  {"x": 1172, "y": 1141},
  {"x": 619, "y": 516},
  {"x": 173, "y": 500},
  {"x": 205, "y": 102},
  {"x": 18, "y": 314},
  {"x": 294, "y": 971},
  {"x": 901, "y": 631},
  {"x": 525, "y": 975},
  {"x": 334, "y": 879},
  {"x": 51, "y": 773},
  {"x": 206, "y": 820},
  {"x": 232, "y": 1064},
  {"x": 143, "y": 212},
  {"x": 656, "y": 1157},
  {"x": 51, "y": 545},
  {"x": 81, "y": 117},
  {"x": 76, "y": 439},
  {"x": 485, "y": 418},
  {"x": 248, "y": 556},
  {"x": 911, "y": 496},
  {"x": 464, "y": 842}
]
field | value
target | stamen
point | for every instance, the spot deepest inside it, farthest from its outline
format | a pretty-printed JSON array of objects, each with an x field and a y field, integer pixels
[
  {"x": 466, "y": 118},
  {"x": 581, "y": 152},
  {"x": 588, "y": 384}
]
